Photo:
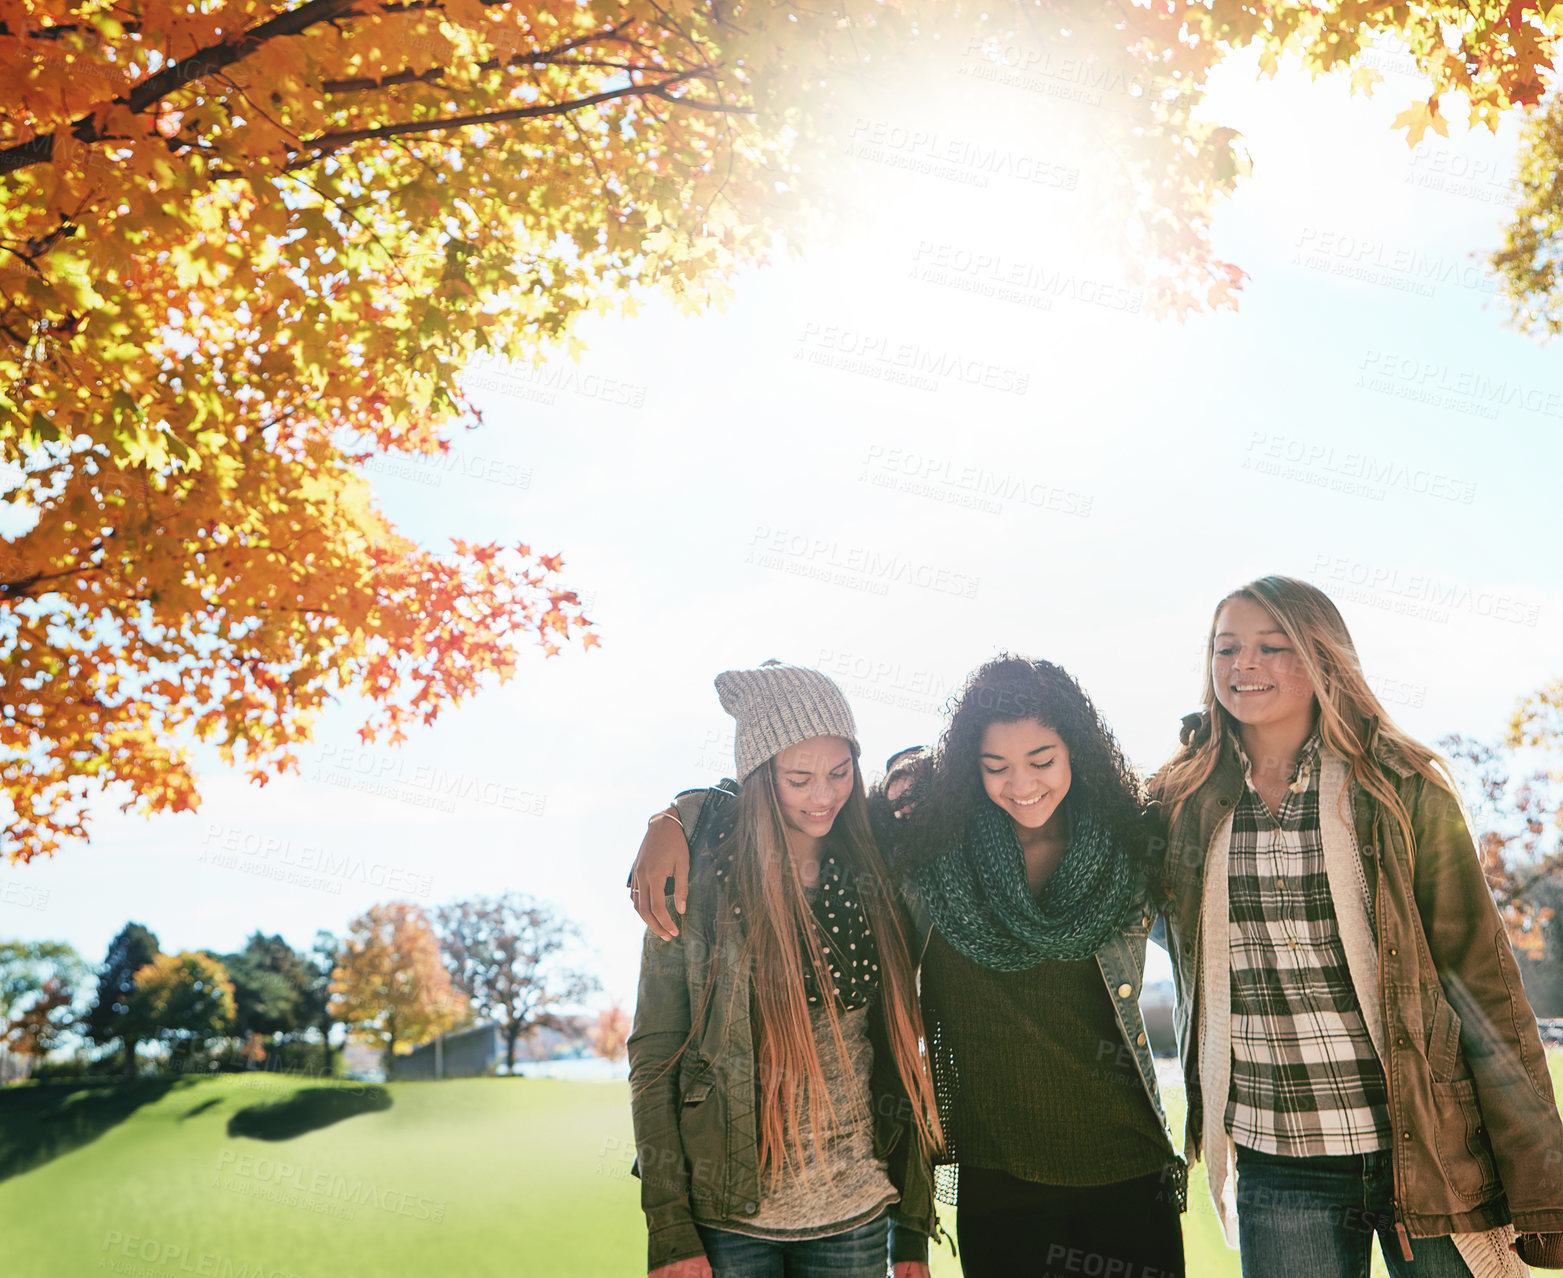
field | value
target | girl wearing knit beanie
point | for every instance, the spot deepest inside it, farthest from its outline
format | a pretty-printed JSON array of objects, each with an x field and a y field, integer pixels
[
  {"x": 1020, "y": 848},
  {"x": 782, "y": 1112}
]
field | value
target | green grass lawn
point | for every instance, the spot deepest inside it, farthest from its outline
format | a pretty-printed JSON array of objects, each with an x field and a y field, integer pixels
[{"x": 277, "y": 1178}]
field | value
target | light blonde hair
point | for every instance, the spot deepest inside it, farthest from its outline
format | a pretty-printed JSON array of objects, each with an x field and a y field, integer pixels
[
  {"x": 1352, "y": 722},
  {"x": 777, "y": 919}
]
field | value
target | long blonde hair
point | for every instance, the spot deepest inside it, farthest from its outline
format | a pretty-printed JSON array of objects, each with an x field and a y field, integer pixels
[
  {"x": 778, "y": 925},
  {"x": 1352, "y": 720}
]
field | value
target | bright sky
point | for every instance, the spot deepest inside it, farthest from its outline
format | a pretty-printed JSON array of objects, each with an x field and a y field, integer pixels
[{"x": 736, "y": 487}]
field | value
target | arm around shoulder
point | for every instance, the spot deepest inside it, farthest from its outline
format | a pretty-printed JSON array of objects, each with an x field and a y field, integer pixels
[{"x": 662, "y": 863}]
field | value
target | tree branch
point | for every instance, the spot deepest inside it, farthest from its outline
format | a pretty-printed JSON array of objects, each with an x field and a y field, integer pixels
[
  {"x": 552, "y": 56},
  {"x": 40, "y": 150},
  {"x": 329, "y": 142},
  {"x": 368, "y": 83}
]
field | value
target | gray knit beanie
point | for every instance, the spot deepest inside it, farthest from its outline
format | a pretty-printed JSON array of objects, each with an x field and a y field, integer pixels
[{"x": 778, "y": 706}]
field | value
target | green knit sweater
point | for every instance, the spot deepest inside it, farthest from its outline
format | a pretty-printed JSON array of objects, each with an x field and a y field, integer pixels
[{"x": 1033, "y": 1075}]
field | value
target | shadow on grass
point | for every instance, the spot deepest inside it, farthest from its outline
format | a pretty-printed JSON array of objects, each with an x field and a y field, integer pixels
[
  {"x": 41, "y": 1121},
  {"x": 201, "y": 1108},
  {"x": 307, "y": 1110}
]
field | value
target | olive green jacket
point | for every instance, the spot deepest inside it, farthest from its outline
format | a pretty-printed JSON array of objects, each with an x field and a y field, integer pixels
[
  {"x": 695, "y": 1120},
  {"x": 1478, "y": 1142}
]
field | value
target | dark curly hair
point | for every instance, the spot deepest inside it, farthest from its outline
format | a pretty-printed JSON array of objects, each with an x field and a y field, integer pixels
[{"x": 946, "y": 790}]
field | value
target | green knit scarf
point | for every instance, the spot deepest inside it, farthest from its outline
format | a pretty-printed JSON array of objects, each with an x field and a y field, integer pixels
[{"x": 982, "y": 905}]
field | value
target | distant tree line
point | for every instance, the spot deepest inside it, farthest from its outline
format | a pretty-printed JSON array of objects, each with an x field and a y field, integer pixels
[{"x": 396, "y": 979}]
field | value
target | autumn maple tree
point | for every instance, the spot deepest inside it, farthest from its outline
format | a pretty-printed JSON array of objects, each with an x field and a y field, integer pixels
[
  {"x": 390, "y": 987},
  {"x": 246, "y": 247},
  {"x": 184, "y": 1001}
]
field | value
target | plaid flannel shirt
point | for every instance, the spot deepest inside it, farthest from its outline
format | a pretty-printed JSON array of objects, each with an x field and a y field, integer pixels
[{"x": 1306, "y": 1080}]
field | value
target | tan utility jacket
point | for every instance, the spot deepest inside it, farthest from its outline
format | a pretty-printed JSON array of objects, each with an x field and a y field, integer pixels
[{"x": 1478, "y": 1142}]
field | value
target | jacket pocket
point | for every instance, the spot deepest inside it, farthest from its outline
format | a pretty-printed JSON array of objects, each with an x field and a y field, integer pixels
[
  {"x": 1461, "y": 1140},
  {"x": 1443, "y": 1043},
  {"x": 887, "y": 1135},
  {"x": 702, "y": 1131}
]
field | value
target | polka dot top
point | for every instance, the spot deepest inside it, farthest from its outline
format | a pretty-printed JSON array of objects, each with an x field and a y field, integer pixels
[{"x": 840, "y": 924}]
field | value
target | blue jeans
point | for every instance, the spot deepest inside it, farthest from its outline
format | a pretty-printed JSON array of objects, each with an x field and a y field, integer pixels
[
  {"x": 863, "y": 1252},
  {"x": 1316, "y": 1217}
]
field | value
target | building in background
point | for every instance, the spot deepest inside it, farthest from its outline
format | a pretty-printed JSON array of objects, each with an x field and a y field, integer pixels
[{"x": 480, "y": 1050}]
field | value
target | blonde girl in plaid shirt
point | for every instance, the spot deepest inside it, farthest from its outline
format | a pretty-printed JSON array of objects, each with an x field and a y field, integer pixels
[{"x": 1314, "y": 1030}]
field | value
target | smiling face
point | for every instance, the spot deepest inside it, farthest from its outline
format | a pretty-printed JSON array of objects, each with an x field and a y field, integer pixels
[
  {"x": 1025, "y": 770},
  {"x": 813, "y": 781},
  {"x": 1256, "y": 671}
]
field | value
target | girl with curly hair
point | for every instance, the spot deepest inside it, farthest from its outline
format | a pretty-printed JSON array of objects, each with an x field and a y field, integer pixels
[{"x": 1019, "y": 844}]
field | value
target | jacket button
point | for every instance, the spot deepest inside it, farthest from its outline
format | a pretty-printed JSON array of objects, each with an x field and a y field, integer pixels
[
  {"x": 1405, "y": 1135},
  {"x": 1125, "y": 990},
  {"x": 750, "y": 1208},
  {"x": 1393, "y": 951},
  {"x": 1226, "y": 803},
  {"x": 1400, "y": 1042},
  {"x": 1140, "y": 1038}
]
